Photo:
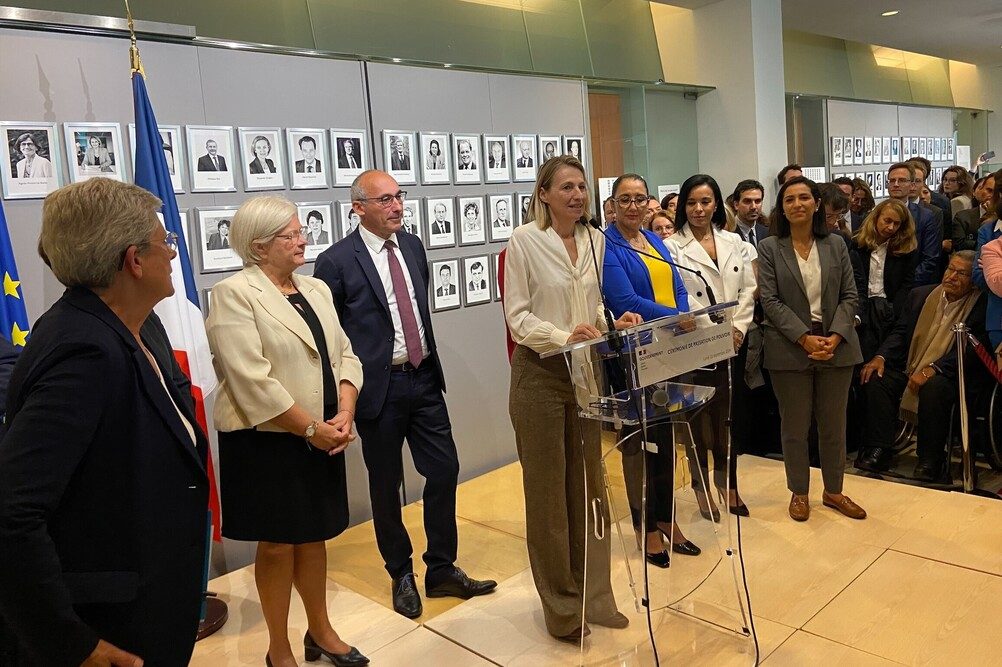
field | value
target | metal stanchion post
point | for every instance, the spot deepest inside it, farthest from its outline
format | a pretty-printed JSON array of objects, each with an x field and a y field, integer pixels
[{"x": 967, "y": 460}]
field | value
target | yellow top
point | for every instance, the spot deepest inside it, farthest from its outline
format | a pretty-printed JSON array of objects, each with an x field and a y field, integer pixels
[{"x": 661, "y": 278}]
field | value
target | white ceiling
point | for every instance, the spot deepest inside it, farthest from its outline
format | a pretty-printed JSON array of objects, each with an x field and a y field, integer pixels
[{"x": 966, "y": 30}]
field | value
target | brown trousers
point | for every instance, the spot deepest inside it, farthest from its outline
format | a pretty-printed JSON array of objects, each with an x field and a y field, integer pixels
[{"x": 553, "y": 445}]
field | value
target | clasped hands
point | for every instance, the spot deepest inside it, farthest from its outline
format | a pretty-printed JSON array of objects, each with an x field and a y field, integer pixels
[
  {"x": 820, "y": 348},
  {"x": 583, "y": 332},
  {"x": 334, "y": 434}
]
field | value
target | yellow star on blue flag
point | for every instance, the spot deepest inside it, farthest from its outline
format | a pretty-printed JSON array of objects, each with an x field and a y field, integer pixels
[{"x": 13, "y": 315}]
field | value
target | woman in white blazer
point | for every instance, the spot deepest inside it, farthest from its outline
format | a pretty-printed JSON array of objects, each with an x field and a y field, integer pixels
[
  {"x": 284, "y": 412},
  {"x": 701, "y": 243}
]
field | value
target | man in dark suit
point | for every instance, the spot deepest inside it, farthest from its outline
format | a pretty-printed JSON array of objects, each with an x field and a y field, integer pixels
[
  {"x": 747, "y": 200},
  {"x": 400, "y": 160},
  {"x": 497, "y": 158},
  {"x": 525, "y": 161},
  {"x": 967, "y": 222},
  {"x": 309, "y": 164},
  {"x": 221, "y": 239},
  {"x": 929, "y": 236},
  {"x": 212, "y": 160},
  {"x": 440, "y": 225},
  {"x": 103, "y": 494},
  {"x": 445, "y": 286},
  {"x": 931, "y": 380},
  {"x": 379, "y": 280},
  {"x": 477, "y": 282}
]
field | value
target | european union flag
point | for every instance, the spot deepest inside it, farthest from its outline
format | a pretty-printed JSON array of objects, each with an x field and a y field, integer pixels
[{"x": 13, "y": 314}]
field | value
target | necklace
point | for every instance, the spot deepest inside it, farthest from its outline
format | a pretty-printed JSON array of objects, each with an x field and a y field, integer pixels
[{"x": 286, "y": 291}]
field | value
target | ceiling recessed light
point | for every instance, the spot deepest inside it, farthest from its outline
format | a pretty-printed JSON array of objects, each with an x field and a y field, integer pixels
[{"x": 891, "y": 13}]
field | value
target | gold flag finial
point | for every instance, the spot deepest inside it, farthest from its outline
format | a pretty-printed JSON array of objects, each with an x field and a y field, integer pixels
[{"x": 134, "y": 59}]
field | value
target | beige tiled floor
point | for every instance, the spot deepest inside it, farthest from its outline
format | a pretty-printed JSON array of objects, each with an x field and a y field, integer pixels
[{"x": 916, "y": 582}]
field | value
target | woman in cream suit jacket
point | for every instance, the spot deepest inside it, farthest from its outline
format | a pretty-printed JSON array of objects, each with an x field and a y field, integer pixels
[
  {"x": 701, "y": 243},
  {"x": 284, "y": 411}
]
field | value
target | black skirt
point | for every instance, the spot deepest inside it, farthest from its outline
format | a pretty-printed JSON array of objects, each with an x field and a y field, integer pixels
[{"x": 275, "y": 487}]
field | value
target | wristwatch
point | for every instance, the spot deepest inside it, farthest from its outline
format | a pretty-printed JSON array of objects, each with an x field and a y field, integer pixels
[
  {"x": 925, "y": 375},
  {"x": 311, "y": 430}
]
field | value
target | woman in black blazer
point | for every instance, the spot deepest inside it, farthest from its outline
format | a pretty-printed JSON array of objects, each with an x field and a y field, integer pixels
[
  {"x": 103, "y": 485},
  {"x": 885, "y": 243},
  {"x": 261, "y": 164}
]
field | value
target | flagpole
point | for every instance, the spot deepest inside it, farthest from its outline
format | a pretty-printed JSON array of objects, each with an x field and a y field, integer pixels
[{"x": 214, "y": 611}]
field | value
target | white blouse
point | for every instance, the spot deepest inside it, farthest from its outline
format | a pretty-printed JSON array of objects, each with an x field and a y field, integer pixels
[
  {"x": 545, "y": 296},
  {"x": 878, "y": 258},
  {"x": 810, "y": 271}
]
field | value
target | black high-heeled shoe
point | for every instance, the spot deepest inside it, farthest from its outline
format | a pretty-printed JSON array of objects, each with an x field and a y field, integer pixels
[
  {"x": 710, "y": 514},
  {"x": 685, "y": 547},
  {"x": 352, "y": 658},
  {"x": 738, "y": 510},
  {"x": 660, "y": 559}
]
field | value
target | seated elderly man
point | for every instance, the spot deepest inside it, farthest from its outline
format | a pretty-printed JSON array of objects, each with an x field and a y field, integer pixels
[{"x": 914, "y": 372}]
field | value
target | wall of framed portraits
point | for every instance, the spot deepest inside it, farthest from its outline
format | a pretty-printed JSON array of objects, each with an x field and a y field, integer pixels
[
  {"x": 864, "y": 139},
  {"x": 238, "y": 123}
]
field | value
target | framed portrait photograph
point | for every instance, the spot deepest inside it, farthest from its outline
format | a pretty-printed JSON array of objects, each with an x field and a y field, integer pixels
[
  {"x": 317, "y": 219},
  {"x": 477, "y": 280},
  {"x": 170, "y": 138},
  {"x": 498, "y": 159},
  {"x": 937, "y": 150},
  {"x": 210, "y": 158},
  {"x": 499, "y": 212},
  {"x": 885, "y": 154},
  {"x": 94, "y": 149},
  {"x": 867, "y": 150},
  {"x": 496, "y": 263},
  {"x": 574, "y": 146},
  {"x": 836, "y": 143},
  {"x": 878, "y": 186},
  {"x": 466, "y": 158},
  {"x": 857, "y": 156},
  {"x": 211, "y": 235},
  {"x": 847, "y": 151},
  {"x": 871, "y": 180},
  {"x": 895, "y": 150},
  {"x": 471, "y": 221},
  {"x": 398, "y": 158},
  {"x": 949, "y": 149},
  {"x": 523, "y": 154},
  {"x": 434, "y": 157},
  {"x": 262, "y": 158},
  {"x": 914, "y": 148},
  {"x": 549, "y": 146},
  {"x": 922, "y": 148},
  {"x": 878, "y": 149},
  {"x": 32, "y": 167},
  {"x": 411, "y": 218},
  {"x": 349, "y": 219},
  {"x": 307, "y": 154},
  {"x": 445, "y": 292},
  {"x": 441, "y": 215},
  {"x": 350, "y": 154},
  {"x": 523, "y": 199}
]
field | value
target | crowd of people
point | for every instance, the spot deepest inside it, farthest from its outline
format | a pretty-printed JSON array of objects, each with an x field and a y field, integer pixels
[{"x": 843, "y": 323}]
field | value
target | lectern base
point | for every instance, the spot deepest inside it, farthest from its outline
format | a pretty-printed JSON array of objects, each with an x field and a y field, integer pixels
[{"x": 216, "y": 614}]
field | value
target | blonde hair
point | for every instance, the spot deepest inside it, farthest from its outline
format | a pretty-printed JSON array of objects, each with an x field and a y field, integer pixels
[
  {"x": 539, "y": 211},
  {"x": 903, "y": 241},
  {"x": 257, "y": 221},
  {"x": 87, "y": 228}
]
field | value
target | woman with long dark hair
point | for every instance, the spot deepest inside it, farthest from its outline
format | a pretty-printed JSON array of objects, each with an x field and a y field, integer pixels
[{"x": 809, "y": 298}]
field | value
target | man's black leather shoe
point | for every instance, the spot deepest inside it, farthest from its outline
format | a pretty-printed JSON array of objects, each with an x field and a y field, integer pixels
[
  {"x": 406, "y": 599},
  {"x": 875, "y": 459},
  {"x": 454, "y": 583},
  {"x": 937, "y": 472}
]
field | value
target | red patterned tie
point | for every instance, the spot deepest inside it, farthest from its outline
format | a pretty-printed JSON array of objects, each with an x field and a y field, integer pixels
[{"x": 412, "y": 339}]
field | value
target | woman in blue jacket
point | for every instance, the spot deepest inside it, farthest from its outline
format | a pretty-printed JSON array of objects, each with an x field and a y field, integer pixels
[{"x": 639, "y": 283}]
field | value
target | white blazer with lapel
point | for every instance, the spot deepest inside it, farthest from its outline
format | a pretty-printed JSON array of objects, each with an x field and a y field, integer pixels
[
  {"x": 265, "y": 354},
  {"x": 731, "y": 278}
]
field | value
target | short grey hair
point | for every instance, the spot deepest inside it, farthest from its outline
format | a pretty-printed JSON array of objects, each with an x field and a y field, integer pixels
[
  {"x": 966, "y": 255},
  {"x": 258, "y": 220},
  {"x": 87, "y": 228},
  {"x": 357, "y": 192}
]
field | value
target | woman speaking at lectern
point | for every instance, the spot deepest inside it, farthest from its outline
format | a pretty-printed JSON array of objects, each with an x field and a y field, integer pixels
[
  {"x": 552, "y": 298},
  {"x": 640, "y": 283}
]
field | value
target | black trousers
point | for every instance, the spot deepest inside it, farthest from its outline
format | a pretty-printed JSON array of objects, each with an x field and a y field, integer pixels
[
  {"x": 415, "y": 409},
  {"x": 660, "y": 471},
  {"x": 710, "y": 431},
  {"x": 936, "y": 400}
]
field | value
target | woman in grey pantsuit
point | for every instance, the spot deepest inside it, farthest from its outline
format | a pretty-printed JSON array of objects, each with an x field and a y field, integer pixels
[{"x": 809, "y": 298}]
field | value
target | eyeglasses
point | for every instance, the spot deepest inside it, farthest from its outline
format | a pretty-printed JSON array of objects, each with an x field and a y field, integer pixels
[
  {"x": 171, "y": 241},
  {"x": 899, "y": 181},
  {"x": 386, "y": 200},
  {"x": 626, "y": 200},
  {"x": 293, "y": 236}
]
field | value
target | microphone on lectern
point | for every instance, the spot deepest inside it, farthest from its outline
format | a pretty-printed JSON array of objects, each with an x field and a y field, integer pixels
[{"x": 615, "y": 341}]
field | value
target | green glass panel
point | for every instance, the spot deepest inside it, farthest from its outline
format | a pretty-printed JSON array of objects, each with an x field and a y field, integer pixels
[
  {"x": 929, "y": 79},
  {"x": 474, "y": 33},
  {"x": 557, "y": 40},
  {"x": 622, "y": 40},
  {"x": 673, "y": 150},
  {"x": 815, "y": 65},
  {"x": 279, "y": 22},
  {"x": 874, "y": 78}
]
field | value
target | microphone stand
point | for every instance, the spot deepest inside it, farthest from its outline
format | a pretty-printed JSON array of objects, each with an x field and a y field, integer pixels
[{"x": 615, "y": 342}]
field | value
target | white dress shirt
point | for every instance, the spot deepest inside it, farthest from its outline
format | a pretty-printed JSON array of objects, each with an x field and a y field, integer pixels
[
  {"x": 878, "y": 258},
  {"x": 377, "y": 251},
  {"x": 810, "y": 271},
  {"x": 545, "y": 296}
]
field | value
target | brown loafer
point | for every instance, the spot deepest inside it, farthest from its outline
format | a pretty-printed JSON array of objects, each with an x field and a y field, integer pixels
[
  {"x": 800, "y": 509},
  {"x": 574, "y": 636},
  {"x": 616, "y": 621},
  {"x": 845, "y": 506}
]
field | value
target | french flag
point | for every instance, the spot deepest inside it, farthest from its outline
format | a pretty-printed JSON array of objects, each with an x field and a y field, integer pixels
[{"x": 180, "y": 314}]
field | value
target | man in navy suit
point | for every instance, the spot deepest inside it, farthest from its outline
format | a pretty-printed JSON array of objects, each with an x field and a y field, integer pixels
[
  {"x": 747, "y": 201},
  {"x": 929, "y": 236},
  {"x": 378, "y": 276}
]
